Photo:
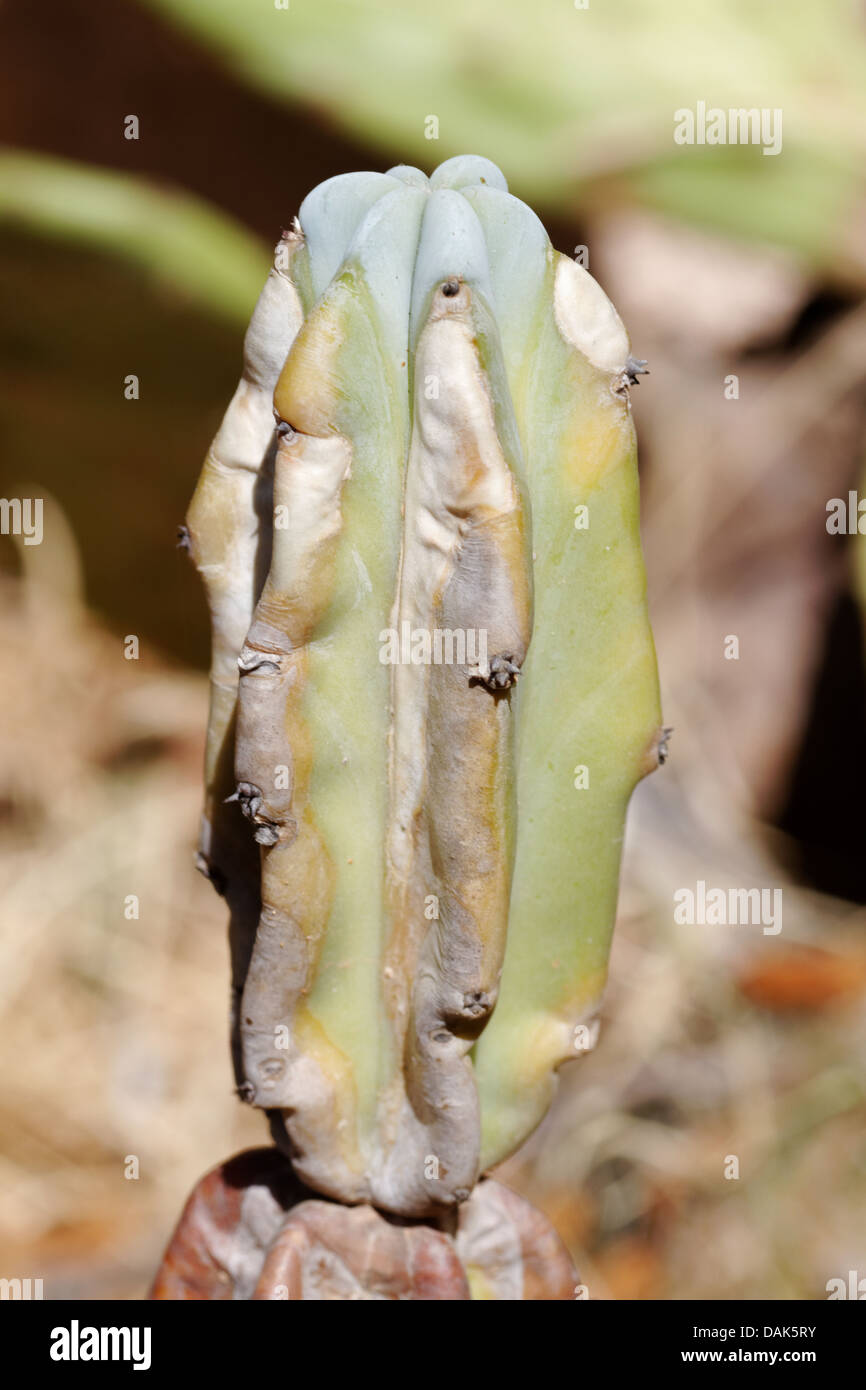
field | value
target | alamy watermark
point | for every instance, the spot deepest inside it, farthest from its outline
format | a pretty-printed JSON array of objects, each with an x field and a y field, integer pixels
[
  {"x": 738, "y": 125},
  {"x": 720, "y": 907},
  {"x": 422, "y": 646},
  {"x": 77, "y": 1343},
  {"x": 853, "y": 1287},
  {"x": 21, "y": 1290},
  {"x": 846, "y": 517},
  {"x": 22, "y": 516}
]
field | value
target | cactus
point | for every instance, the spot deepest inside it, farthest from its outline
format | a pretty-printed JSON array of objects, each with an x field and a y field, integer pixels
[{"x": 433, "y": 685}]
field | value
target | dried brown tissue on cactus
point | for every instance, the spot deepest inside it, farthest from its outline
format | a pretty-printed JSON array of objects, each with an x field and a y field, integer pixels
[{"x": 421, "y": 895}]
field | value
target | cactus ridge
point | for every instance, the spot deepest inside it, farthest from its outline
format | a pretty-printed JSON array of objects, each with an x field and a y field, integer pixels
[{"x": 421, "y": 899}]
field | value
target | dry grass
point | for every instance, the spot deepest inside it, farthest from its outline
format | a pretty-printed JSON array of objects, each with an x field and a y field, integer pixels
[{"x": 113, "y": 1026}]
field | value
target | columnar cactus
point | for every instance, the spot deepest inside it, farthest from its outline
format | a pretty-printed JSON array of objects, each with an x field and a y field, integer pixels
[{"x": 433, "y": 684}]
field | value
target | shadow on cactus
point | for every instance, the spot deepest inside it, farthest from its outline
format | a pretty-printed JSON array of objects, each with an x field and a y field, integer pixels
[{"x": 433, "y": 684}]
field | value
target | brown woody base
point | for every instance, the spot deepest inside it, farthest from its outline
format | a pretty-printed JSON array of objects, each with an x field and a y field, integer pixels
[{"x": 251, "y": 1230}]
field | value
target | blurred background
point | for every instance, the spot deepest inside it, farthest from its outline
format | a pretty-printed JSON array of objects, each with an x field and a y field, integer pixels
[{"x": 742, "y": 278}]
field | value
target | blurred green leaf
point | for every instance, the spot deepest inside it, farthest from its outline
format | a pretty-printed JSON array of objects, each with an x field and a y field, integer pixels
[
  {"x": 191, "y": 246},
  {"x": 569, "y": 99}
]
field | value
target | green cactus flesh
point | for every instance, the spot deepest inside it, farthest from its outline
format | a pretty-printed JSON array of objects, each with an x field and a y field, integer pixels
[{"x": 416, "y": 849}]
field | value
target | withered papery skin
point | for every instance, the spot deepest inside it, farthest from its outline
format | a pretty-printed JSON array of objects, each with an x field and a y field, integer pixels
[
  {"x": 251, "y": 1231},
  {"x": 422, "y": 892},
  {"x": 229, "y": 526}
]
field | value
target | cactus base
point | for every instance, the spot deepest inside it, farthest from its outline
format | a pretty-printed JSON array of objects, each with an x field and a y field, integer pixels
[{"x": 251, "y": 1231}]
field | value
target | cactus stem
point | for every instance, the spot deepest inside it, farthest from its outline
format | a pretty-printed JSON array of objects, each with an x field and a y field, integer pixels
[{"x": 458, "y": 395}]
